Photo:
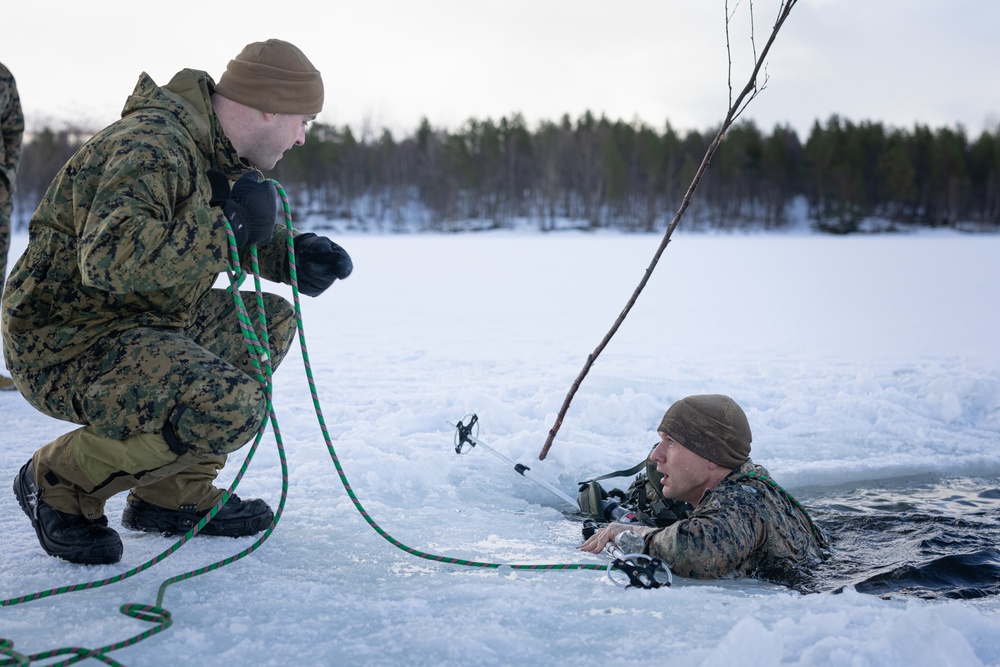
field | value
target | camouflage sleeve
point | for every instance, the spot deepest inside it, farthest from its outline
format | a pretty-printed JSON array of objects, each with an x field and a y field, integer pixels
[
  {"x": 148, "y": 225},
  {"x": 11, "y": 126},
  {"x": 714, "y": 542}
]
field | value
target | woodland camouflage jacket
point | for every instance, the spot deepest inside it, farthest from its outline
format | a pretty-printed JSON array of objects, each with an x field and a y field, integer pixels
[
  {"x": 745, "y": 527},
  {"x": 11, "y": 128},
  {"x": 125, "y": 236}
]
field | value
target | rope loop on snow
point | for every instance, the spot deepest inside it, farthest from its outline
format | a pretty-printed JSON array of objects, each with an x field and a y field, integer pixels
[{"x": 259, "y": 351}]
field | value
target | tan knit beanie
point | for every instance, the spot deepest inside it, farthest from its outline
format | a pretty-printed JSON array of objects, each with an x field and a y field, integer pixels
[
  {"x": 274, "y": 77},
  {"x": 712, "y": 426}
]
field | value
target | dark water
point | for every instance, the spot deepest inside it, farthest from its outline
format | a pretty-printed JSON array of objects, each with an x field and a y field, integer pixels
[{"x": 926, "y": 537}]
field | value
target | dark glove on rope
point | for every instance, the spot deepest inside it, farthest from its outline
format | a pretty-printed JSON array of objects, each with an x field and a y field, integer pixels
[
  {"x": 319, "y": 261},
  {"x": 251, "y": 206}
]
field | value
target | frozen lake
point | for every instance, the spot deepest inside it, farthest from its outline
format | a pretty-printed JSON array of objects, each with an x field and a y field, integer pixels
[{"x": 863, "y": 363}]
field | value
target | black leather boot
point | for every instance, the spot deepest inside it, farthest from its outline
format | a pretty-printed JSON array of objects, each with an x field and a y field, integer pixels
[
  {"x": 237, "y": 518},
  {"x": 69, "y": 536}
]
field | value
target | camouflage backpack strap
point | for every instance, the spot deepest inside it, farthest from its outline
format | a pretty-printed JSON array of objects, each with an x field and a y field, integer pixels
[
  {"x": 817, "y": 532},
  {"x": 618, "y": 473}
]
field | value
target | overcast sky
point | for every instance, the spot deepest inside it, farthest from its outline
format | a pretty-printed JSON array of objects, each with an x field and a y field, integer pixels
[{"x": 389, "y": 63}]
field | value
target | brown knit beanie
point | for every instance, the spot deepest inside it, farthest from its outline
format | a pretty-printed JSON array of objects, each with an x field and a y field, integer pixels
[
  {"x": 712, "y": 426},
  {"x": 274, "y": 77}
]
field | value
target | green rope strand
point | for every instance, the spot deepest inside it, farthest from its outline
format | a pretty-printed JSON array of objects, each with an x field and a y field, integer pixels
[
  {"x": 343, "y": 477},
  {"x": 259, "y": 353}
]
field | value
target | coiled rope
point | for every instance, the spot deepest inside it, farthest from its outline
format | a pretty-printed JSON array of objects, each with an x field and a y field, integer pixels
[{"x": 259, "y": 350}]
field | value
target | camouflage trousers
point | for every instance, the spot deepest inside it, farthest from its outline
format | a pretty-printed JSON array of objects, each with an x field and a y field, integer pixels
[{"x": 159, "y": 409}]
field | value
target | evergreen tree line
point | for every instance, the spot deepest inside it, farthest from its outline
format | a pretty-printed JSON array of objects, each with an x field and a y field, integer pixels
[{"x": 597, "y": 173}]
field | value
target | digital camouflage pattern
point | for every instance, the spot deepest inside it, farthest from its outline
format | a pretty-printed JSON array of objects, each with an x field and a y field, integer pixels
[
  {"x": 12, "y": 131},
  {"x": 125, "y": 236},
  {"x": 198, "y": 385},
  {"x": 110, "y": 319},
  {"x": 744, "y": 527}
]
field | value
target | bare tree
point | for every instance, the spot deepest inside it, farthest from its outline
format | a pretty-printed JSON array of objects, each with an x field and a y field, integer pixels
[{"x": 736, "y": 107}]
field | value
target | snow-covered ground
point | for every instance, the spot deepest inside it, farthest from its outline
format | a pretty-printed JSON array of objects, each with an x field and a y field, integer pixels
[{"x": 857, "y": 359}]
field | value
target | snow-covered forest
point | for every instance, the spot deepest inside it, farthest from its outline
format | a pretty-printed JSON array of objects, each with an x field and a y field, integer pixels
[{"x": 593, "y": 172}]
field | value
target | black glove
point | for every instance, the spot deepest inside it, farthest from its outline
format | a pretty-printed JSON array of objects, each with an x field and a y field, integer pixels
[
  {"x": 318, "y": 262},
  {"x": 251, "y": 206}
]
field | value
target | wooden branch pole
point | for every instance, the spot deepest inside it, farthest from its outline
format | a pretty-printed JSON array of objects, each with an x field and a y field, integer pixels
[{"x": 737, "y": 107}]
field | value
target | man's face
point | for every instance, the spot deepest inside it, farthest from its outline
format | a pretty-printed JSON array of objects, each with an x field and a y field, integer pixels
[
  {"x": 274, "y": 134},
  {"x": 685, "y": 474}
]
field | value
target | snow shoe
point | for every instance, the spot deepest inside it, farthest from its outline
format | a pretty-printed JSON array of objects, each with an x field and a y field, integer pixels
[
  {"x": 68, "y": 536},
  {"x": 237, "y": 518}
]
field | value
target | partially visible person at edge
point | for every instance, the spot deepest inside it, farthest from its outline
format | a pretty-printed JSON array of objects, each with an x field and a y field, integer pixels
[
  {"x": 12, "y": 129},
  {"x": 110, "y": 318},
  {"x": 743, "y": 523}
]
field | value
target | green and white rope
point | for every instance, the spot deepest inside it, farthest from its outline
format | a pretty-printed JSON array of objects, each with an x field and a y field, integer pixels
[
  {"x": 259, "y": 354},
  {"x": 259, "y": 350}
]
